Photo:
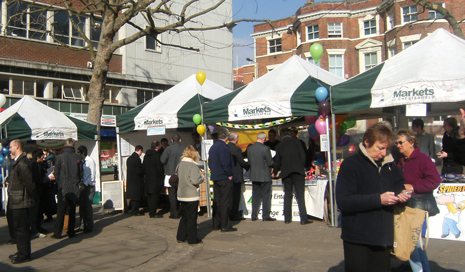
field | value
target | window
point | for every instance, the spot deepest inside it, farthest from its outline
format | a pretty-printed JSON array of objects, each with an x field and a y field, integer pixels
[
  {"x": 65, "y": 32},
  {"x": 392, "y": 51},
  {"x": 313, "y": 32},
  {"x": 275, "y": 46},
  {"x": 312, "y": 61},
  {"x": 409, "y": 14},
  {"x": 95, "y": 30},
  {"x": 67, "y": 91},
  {"x": 434, "y": 14},
  {"x": 111, "y": 95},
  {"x": 390, "y": 20},
  {"x": 408, "y": 44},
  {"x": 143, "y": 96},
  {"x": 16, "y": 27},
  {"x": 37, "y": 24},
  {"x": 334, "y": 30},
  {"x": 152, "y": 44},
  {"x": 336, "y": 65},
  {"x": 369, "y": 27},
  {"x": 23, "y": 87},
  {"x": 26, "y": 22},
  {"x": 371, "y": 60}
]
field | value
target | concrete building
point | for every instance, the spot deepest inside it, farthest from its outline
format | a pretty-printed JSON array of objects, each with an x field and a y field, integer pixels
[{"x": 356, "y": 35}]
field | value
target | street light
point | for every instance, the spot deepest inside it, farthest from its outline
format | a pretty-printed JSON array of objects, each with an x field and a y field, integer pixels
[{"x": 255, "y": 67}]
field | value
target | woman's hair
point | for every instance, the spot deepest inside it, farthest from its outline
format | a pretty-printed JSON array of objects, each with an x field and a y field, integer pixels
[
  {"x": 409, "y": 135},
  {"x": 378, "y": 132},
  {"x": 191, "y": 153}
]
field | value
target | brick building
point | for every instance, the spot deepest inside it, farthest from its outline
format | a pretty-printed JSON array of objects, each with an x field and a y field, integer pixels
[{"x": 356, "y": 35}]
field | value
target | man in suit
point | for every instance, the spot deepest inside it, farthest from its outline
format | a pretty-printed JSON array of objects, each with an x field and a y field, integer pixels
[
  {"x": 171, "y": 158},
  {"x": 154, "y": 178},
  {"x": 223, "y": 175},
  {"x": 260, "y": 161},
  {"x": 135, "y": 181},
  {"x": 240, "y": 164},
  {"x": 290, "y": 159}
]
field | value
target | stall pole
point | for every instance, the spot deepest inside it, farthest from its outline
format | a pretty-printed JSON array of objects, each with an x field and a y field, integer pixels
[
  {"x": 333, "y": 198},
  {"x": 328, "y": 154},
  {"x": 205, "y": 164},
  {"x": 118, "y": 146}
]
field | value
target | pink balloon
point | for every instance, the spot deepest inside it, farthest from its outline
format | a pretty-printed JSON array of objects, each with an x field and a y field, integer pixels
[
  {"x": 310, "y": 119},
  {"x": 320, "y": 126}
]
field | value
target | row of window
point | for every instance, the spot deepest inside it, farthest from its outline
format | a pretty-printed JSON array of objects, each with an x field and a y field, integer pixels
[{"x": 34, "y": 22}]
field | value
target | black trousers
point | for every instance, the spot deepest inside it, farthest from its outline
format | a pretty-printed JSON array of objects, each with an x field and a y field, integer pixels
[
  {"x": 261, "y": 194},
  {"x": 223, "y": 194},
  {"x": 296, "y": 181},
  {"x": 21, "y": 227},
  {"x": 65, "y": 206},
  {"x": 187, "y": 229},
  {"x": 236, "y": 198},
  {"x": 135, "y": 205},
  {"x": 454, "y": 168},
  {"x": 86, "y": 213},
  {"x": 10, "y": 221},
  {"x": 174, "y": 204},
  {"x": 364, "y": 258},
  {"x": 152, "y": 201}
]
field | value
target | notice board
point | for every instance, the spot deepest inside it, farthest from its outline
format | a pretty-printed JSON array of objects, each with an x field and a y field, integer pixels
[{"x": 112, "y": 195}]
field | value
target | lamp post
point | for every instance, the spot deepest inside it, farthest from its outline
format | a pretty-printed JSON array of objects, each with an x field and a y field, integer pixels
[{"x": 255, "y": 67}]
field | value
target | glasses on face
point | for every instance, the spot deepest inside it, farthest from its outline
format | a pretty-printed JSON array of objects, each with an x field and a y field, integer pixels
[{"x": 399, "y": 142}]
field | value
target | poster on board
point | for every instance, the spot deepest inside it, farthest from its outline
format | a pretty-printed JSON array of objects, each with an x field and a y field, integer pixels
[{"x": 112, "y": 196}]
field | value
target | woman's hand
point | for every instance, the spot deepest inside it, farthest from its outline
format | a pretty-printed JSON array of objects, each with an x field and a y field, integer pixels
[
  {"x": 442, "y": 154},
  {"x": 405, "y": 195}
]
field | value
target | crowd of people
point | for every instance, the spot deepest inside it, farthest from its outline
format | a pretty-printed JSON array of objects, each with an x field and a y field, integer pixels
[
  {"x": 32, "y": 185},
  {"x": 392, "y": 169}
]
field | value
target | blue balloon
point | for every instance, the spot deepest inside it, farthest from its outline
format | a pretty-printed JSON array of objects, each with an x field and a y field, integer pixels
[
  {"x": 5, "y": 150},
  {"x": 321, "y": 94},
  {"x": 312, "y": 130},
  {"x": 2, "y": 159}
]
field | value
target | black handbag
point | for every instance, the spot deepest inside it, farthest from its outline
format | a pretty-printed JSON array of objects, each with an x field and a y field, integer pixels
[
  {"x": 424, "y": 202},
  {"x": 174, "y": 179}
]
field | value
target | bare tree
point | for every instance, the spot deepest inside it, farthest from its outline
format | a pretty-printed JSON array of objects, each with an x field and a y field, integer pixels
[{"x": 159, "y": 16}]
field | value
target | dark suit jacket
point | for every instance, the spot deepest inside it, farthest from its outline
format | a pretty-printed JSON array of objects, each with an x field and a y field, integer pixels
[
  {"x": 239, "y": 162},
  {"x": 154, "y": 172},
  {"x": 135, "y": 178},
  {"x": 290, "y": 157},
  {"x": 260, "y": 161}
]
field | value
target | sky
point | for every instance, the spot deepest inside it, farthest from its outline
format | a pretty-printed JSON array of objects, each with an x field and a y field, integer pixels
[{"x": 257, "y": 9}]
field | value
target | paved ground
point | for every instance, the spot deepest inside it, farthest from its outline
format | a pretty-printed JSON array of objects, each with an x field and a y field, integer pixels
[{"x": 123, "y": 243}]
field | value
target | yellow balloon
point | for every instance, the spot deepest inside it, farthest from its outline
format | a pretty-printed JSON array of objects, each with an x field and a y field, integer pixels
[
  {"x": 201, "y": 129},
  {"x": 201, "y": 76}
]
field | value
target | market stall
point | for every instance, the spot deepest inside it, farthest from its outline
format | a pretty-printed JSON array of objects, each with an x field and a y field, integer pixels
[{"x": 30, "y": 120}]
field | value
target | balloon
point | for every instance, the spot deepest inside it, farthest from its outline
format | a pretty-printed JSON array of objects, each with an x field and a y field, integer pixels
[
  {"x": 211, "y": 127},
  {"x": 344, "y": 140},
  {"x": 321, "y": 94},
  {"x": 197, "y": 119},
  {"x": 310, "y": 119},
  {"x": 350, "y": 121},
  {"x": 2, "y": 99},
  {"x": 2, "y": 159},
  {"x": 5, "y": 150},
  {"x": 312, "y": 131},
  {"x": 320, "y": 126},
  {"x": 201, "y": 129},
  {"x": 316, "y": 50},
  {"x": 201, "y": 76},
  {"x": 323, "y": 108}
]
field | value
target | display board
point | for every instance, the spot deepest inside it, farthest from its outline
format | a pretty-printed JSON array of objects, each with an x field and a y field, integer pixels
[
  {"x": 314, "y": 200},
  {"x": 112, "y": 195},
  {"x": 449, "y": 224}
]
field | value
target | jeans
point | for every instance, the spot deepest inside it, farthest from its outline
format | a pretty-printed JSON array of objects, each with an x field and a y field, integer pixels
[{"x": 419, "y": 259}]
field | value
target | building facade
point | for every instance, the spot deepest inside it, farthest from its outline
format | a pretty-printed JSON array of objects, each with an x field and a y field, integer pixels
[{"x": 356, "y": 35}]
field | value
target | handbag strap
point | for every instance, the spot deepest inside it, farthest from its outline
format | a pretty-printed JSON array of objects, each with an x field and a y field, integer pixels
[
  {"x": 176, "y": 171},
  {"x": 426, "y": 234}
]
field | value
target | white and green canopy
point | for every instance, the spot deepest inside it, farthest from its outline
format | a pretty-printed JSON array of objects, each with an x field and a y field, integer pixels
[
  {"x": 430, "y": 71},
  {"x": 288, "y": 90},
  {"x": 28, "y": 119},
  {"x": 173, "y": 108}
]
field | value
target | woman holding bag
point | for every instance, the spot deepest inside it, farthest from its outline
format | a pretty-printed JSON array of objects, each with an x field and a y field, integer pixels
[
  {"x": 189, "y": 195},
  {"x": 421, "y": 177}
]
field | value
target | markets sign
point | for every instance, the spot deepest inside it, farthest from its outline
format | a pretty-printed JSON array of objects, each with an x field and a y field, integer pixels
[
  {"x": 258, "y": 111},
  {"x": 411, "y": 94},
  {"x": 53, "y": 134},
  {"x": 143, "y": 123},
  {"x": 108, "y": 120}
]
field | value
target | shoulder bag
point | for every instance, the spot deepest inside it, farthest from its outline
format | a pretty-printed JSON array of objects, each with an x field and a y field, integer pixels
[{"x": 174, "y": 179}]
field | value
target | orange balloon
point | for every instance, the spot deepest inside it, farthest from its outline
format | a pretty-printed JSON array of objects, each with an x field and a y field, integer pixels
[
  {"x": 201, "y": 129},
  {"x": 201, "y": 76}
]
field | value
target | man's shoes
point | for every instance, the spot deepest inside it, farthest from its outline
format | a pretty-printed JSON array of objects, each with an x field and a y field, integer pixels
[
  {"x": 156, "y": 216},
  {"x": 306, "y": 222},
  {"x": 53, "y": 236},
  {"x": 237, "y": 218},
  {"x": 254, "y": 219},
  {"x": 87, "y": 230},
  {"x": 199, "y": 241},
  {"x": 287, "y": 222},
  {"x": 71, "y": 235},
  {"x": 269, "y": 219},
  {"x": 11, "y": 242},
  {"x": 38, "y": 235},
  {"x": 181, "y": 241},
  {"x": 138, "y": 214},
  {"x": 228, "y": 229},
  {"x": 174, "y": 217},
  {"x": 19, "y": 260},
  {"x": 13, "y": 256},
  {"x": 42, "y": 230},
  {"x": 49, "y": 219},
  {"x": 216, "y": 228}
]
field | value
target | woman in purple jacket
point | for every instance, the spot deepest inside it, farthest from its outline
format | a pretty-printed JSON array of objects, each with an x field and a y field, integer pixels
[{"x": 421, "y": 177}]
